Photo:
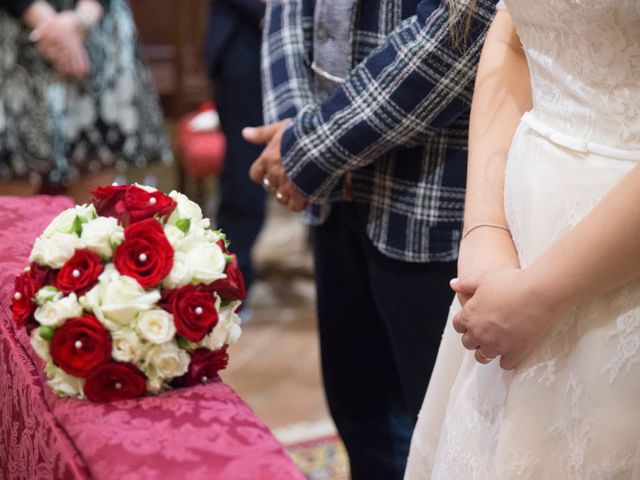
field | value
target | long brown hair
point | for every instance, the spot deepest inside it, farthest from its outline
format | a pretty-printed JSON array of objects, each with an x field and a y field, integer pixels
[{"x": 460, "y": 19}]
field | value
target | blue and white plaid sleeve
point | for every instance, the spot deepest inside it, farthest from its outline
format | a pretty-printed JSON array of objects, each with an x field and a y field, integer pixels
[
  {"x": 413, "y": 85},
  {"x": 286, "y": 76}
]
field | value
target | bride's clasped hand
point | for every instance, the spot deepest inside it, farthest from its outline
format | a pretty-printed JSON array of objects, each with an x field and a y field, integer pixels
[{"x": 507, "y": 316}]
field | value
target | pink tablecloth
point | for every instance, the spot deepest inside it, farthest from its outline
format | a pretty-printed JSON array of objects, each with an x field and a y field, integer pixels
[{"x": 205, "y": 432}]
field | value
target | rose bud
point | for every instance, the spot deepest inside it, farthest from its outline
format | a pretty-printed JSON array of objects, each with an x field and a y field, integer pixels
[
  {"x": 27, "y": 285},
  {"x": 145, "y": 254},
  {"x": 194, "y": 311},
  {"x": 232, "y": 287},
  {"x": 115, "y": 381},
  {"x": 109, "y": 201},
  {"x": 131, "y": 204},
  {"x": 80, "y": 273},
  {"x": 80, "y": 345},
  {"x": 204, "y": 366}
]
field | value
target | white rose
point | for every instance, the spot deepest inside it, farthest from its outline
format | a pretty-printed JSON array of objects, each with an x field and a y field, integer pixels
[
  {"x": 41, "y": 346},
  {"x": 226, "y": 331},
  {"x": 47, "y": 294},
  {"x": 64, "y": 222},
  {"x": 55, "y": 312},
  {"x": 174, "y": 235},
  {"x": 156, "y": 326},
  {"x": 55, "y": 250},
  {"x": 217, "y": 338},
  {"x": 206, "y": 261},
  {"x": 126, "y": 345},
  {"x": 212, "y": 236},
  {"x": 233, "y": 334},
  {"x": 185, "y": 209},
  {"x": 63, "y": 383},
  {"x": 118, "y": 298},
  {"x": 181, "y": 272},
  {"x": 166, "y": 361},
  {"x": 155, "y": 385},
  {"x": 102, "y": 235}
]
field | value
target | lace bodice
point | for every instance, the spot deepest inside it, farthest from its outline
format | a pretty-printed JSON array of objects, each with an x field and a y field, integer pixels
[{"x": 584, "y": 60}]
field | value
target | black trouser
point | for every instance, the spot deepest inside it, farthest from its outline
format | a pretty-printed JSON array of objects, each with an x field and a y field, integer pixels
[
  {"x": 380, "y": 324},
  {"x": 239, "y": 99}
]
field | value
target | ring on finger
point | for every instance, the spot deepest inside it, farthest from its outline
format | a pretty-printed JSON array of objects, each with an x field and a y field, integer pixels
[
  {"x": 483, "y": 358},
  {"x": 266, "y": 184},
  {"x": 279, "y": 196}
]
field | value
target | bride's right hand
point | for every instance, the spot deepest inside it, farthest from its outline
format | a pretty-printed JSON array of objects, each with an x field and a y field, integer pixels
[{"x": 484, "y": 250}]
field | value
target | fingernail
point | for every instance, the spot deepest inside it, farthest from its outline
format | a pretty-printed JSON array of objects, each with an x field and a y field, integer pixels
[
  {"x": 249, "y": 131},
  {"x": 453, "y": 282},
  {"x": 33, "y": 36}
]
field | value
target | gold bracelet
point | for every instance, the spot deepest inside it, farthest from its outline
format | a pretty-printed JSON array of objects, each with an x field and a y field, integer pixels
[{"x": 490, "y": 225}]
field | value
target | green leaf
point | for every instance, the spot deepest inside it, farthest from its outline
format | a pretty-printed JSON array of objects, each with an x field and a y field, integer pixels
[
  {"x": 223, "y": 237},
  {"x": 184, "y": 224},
  {"x": 46, "y": 332},
  {"x": 77, "y": 224},
  {"x": 185, "y": 344},
  {"x": 227, "y": 259}
]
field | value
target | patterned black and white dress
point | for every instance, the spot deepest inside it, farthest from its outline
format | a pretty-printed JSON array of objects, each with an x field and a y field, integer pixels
[{"x": 54, "y": 130}]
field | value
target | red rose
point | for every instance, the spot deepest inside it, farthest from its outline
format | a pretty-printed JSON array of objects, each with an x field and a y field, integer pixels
[
  {"x": 131, "y": 204},
  {"x": 145, "y": 254},
  {"x": 81, "y": 345},
  {"x": 27, "y": 285},
  {"x": 204, "y": 366},
  {"x": 115, "y": 381},
  {"x": 194, "y": 311},
  {"x": 109, "y": 201},
  {"x": 142, "y": 204},
  {"x": 80, "y": 273},
  {"x": 232, "y": 287}
]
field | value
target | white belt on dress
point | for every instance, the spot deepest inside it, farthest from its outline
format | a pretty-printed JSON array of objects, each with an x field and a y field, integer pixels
[{"x": 576, "y": 143}]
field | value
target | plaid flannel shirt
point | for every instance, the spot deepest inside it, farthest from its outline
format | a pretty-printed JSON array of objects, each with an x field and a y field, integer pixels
[{"x": 398, "y": 124}]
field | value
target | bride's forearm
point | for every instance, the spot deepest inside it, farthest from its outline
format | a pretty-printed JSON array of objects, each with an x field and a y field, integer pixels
[
  {"x": 502, "y": 94},
  {"x": 598, "y": 255}
]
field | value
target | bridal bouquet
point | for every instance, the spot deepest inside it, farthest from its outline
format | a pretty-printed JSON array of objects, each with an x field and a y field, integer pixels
[{"x": 130, "y": 294}]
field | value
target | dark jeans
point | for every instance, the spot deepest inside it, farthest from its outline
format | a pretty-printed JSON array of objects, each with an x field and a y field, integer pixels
[
  {"x": 238, "y": 96},
  {"x": 380, "y": 324}
]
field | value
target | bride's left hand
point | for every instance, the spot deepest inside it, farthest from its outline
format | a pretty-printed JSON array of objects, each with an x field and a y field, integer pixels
[{"x": 507, "y": 316}]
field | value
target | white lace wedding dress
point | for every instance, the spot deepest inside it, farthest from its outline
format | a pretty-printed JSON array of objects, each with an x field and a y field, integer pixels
[{"x": 572, "y": 409}]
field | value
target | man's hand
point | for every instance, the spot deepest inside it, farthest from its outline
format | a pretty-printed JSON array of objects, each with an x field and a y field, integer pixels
[{"x": 268, "y": 169}]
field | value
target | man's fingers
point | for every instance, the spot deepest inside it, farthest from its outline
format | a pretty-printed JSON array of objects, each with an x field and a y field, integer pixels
[
  {"x": 297, "y": 203},
  {"x": 260, "y": 135},
  {"x": 258, "y": 169}
]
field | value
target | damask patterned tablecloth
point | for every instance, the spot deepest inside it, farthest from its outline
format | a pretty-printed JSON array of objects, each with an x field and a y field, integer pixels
[{"x": 204, "y": 432}]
